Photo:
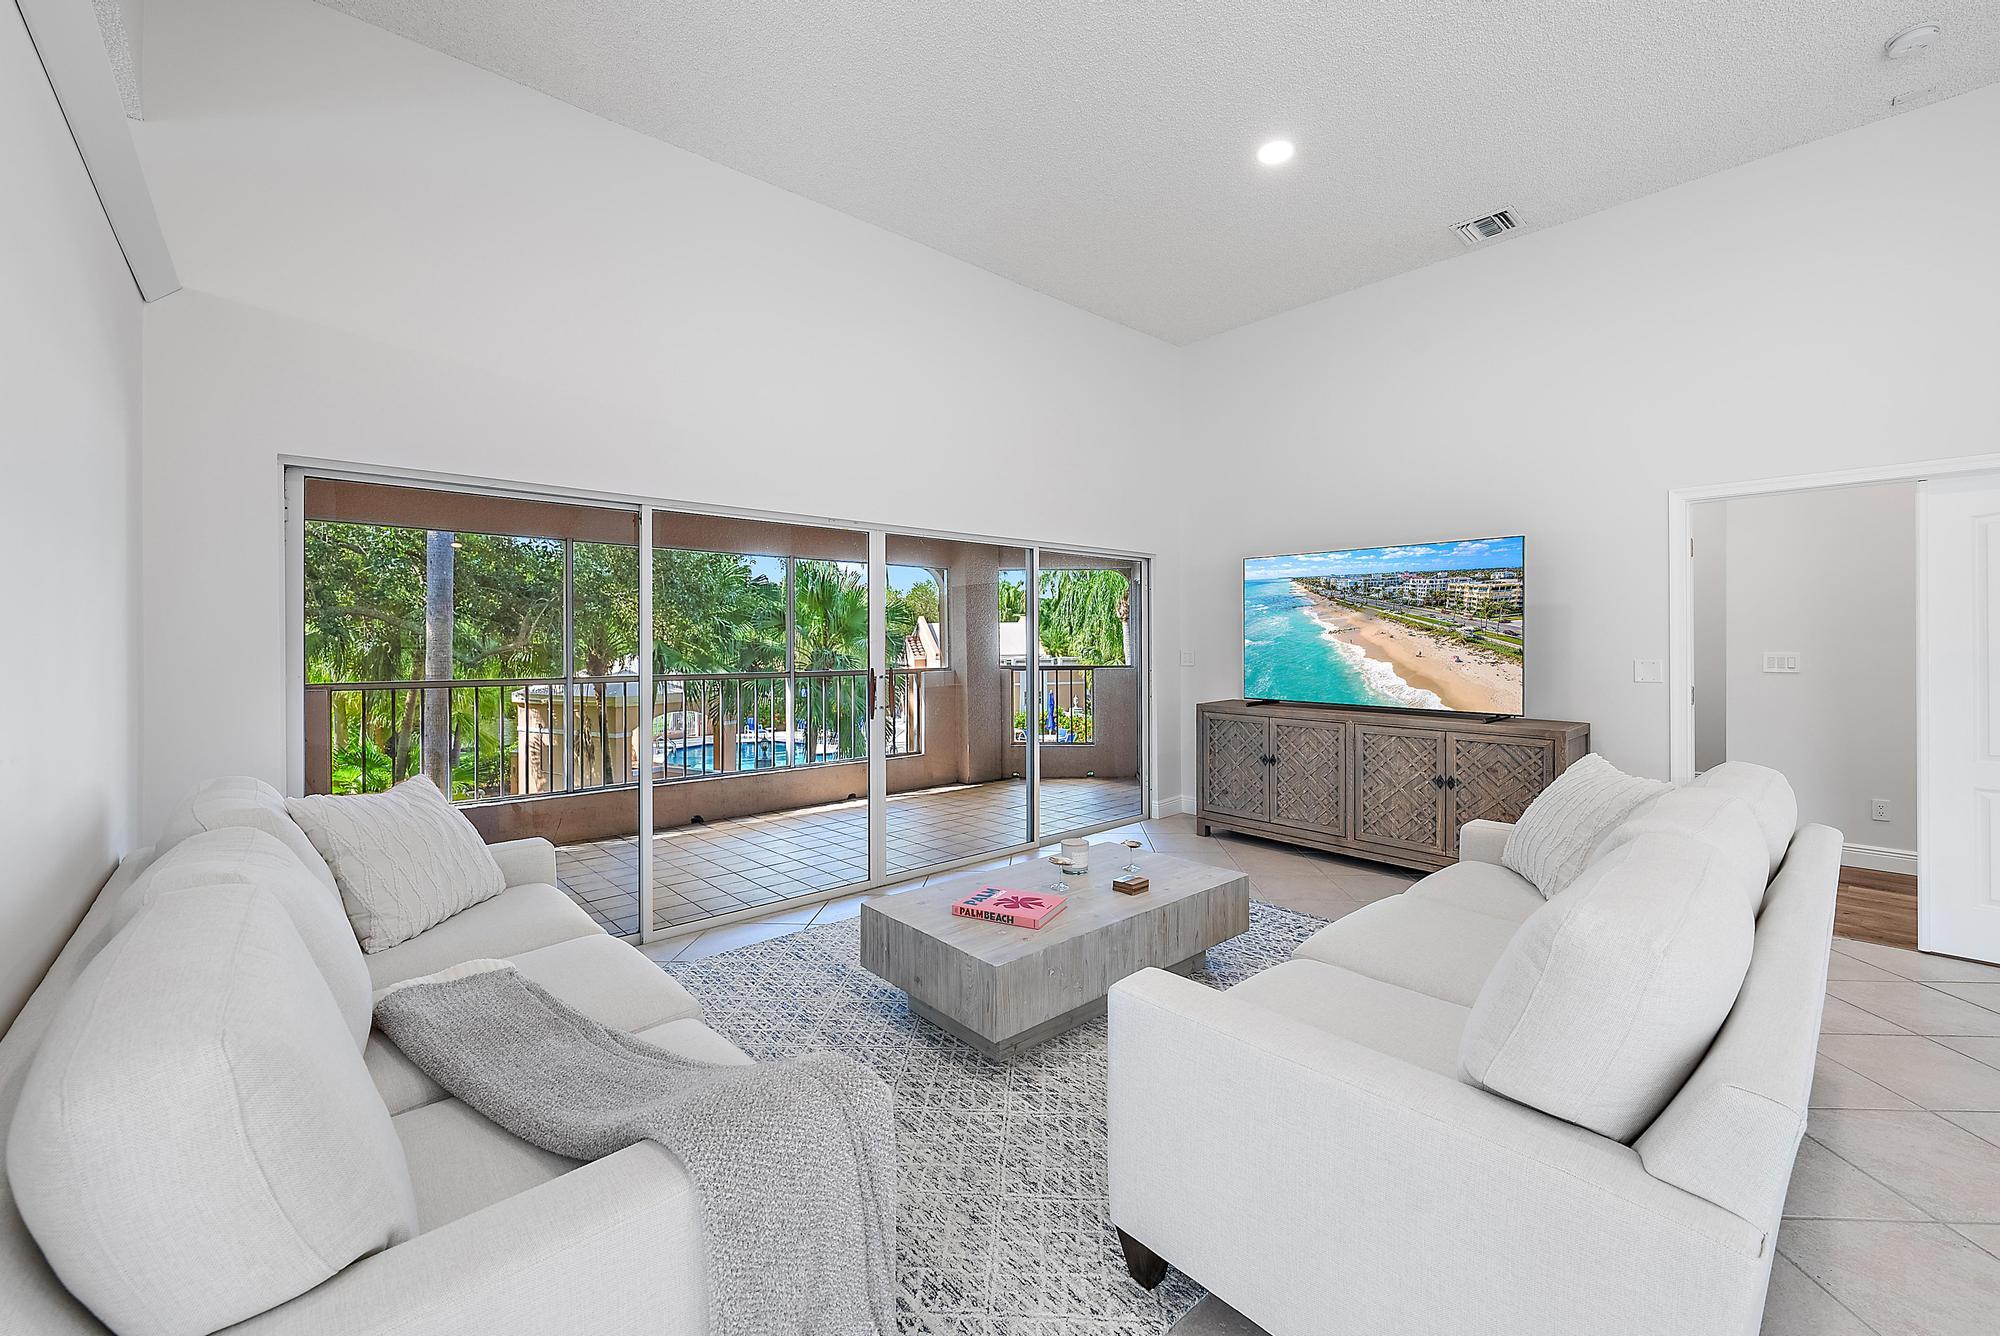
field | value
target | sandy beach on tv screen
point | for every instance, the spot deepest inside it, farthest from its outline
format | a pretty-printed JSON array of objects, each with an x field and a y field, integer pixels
[{"x": 1476, "y": 681}]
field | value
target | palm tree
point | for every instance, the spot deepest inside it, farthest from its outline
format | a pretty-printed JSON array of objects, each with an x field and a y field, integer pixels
[{"x": 1084, "y": 615}]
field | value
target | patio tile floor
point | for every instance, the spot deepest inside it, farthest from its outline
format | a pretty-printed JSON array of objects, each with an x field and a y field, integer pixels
[{"x": 701, "y": 872}]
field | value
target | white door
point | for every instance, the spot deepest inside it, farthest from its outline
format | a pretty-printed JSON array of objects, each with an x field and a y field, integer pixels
[{"x": 1958, "y": 834}]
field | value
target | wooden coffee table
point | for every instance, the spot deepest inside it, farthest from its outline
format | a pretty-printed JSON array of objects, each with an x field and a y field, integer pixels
[{"x": 1003, "y": 989}]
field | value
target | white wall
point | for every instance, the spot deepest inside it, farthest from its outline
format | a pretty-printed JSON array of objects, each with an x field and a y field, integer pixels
[
  {"x": 391, "y": 257},
  {"x": 1828, "y": 307},
  {"x": 1831, "y": 574},
  {"x": 69, "y": 432}
]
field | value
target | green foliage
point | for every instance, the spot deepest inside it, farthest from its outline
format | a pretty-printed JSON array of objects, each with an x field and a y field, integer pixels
[
  {"x": 713, "y": 612},
  {"x": 364, "y": 604},
  {"x": 920, "y": 599},
  {"x": 1013, "y": 600},
  {"x": 830, "y": 621},
  {"x": 1083, "y": 615}
]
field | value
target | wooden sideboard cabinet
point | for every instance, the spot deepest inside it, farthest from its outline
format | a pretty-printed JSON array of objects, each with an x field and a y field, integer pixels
[{"x": 1380, "y": 784}]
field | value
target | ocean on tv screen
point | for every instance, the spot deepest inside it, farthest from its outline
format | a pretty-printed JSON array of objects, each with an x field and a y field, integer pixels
[{"x": 1425, "y": 626}]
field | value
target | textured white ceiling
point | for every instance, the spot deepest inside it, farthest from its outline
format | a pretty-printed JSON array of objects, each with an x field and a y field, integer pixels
[{"x": 1100, "y": 151}]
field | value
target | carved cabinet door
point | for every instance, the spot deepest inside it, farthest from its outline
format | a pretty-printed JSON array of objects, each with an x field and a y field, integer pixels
[
  {"x": 1399, "y": 793},
  {"x": 1309, "y": 775},
  {"x": 1235, "y": 781},
  {"x": 1495, "y": 778}
]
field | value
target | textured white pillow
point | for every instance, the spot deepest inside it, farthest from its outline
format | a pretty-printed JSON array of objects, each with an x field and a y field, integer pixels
[
  {"x": 243, "y": 856},
  {"x": 198, "y": 1140},
  {"x": 405, "y": 860},
  {"x": 1604, "y": 1002},
  {"x": 1552, "y": 842}
]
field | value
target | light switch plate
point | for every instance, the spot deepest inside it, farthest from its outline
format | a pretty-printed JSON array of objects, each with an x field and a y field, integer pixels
[
  {"x": 1187, "y": 658},
  {"x": 1781, "y": 661},
  {"x": 1648, "y": 670}
]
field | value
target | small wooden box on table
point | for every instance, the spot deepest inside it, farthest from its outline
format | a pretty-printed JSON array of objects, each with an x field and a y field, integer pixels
[{"x": 1001, "y": 989}]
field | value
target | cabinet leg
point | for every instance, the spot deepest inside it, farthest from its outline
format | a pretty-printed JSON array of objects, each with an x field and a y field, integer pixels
[
  {"x": 1147, "y": 1267},
  {"x": 1201, "y": 829}
]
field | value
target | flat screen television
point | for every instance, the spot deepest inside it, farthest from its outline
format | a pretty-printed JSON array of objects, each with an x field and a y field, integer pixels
[{"x": 1422, "y": 626}]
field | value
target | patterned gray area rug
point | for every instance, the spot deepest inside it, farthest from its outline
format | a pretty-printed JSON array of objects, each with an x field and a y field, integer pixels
[{"x": 1003, "y": 1228}]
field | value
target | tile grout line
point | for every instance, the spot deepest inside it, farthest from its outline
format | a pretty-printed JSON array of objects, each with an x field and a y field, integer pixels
[{"x": 1918, "y": 1207}]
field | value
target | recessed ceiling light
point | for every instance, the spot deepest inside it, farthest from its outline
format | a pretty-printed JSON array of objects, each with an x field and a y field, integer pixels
[{"x": 1276, "y": 153}]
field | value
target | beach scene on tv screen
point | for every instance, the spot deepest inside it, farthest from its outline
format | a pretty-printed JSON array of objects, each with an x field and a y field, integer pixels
[{"x": 1426, "y": 626}]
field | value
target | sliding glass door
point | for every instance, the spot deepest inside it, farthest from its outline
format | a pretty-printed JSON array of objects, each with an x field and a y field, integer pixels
[
  {"x": 1086, "y": 695},
  {"x": 761, "y": 706},
  {"x": 956, "y": 787},
  {"x": 787, "y": 711}
]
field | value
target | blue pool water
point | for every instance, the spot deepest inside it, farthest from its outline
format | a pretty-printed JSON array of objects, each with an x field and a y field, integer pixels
[
  {"x": 1289, "y": 656},
  {"x": 749, "y": 755}
]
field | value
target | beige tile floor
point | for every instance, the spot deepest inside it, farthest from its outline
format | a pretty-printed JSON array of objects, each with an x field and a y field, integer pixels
[
  {"x": 724, "y": 867},
  {"x": 1893, "y": 1222}
]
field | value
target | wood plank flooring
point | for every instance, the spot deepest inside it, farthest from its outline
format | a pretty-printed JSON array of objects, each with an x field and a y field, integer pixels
[{"x": 1876, "y": 907}]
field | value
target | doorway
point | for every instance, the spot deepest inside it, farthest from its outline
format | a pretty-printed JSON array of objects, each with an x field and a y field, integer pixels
[
  {"x": 1805, "y": 623},
  {"x": 1834, "y": 625}
]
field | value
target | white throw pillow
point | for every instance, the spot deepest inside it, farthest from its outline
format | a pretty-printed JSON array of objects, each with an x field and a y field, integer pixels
[
  {"x": 1552, "y": 842},
  {"x": 1606, "y": 998},
  {"x": 198, "y": 1140},
  {"x": 405, "y": 860},
  {"x": 243, "y": 856}
]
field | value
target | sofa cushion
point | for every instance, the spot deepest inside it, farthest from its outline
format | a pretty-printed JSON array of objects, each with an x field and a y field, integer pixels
[
  {"x": 1609, "y": 994},
  {"x": 1711, "y": 817},
  {"x": 1420, "y": 944},
  {"x": 405, "y": 860},
  {"x": 246, "y": 856},
  {"x": 240, "y": 800},
  {"x": 460, "y": 1162},
  {"x": 512, "y": 923},
  {"x": 1771, "y": 801},
  {"x": 604, "y": 978},
  {"x": 198, "y": 1140},
  {"x": 1483, "y": 888},
  {"x": 1413, "y": 1026},
  {"x": 1552, "y": 842}
]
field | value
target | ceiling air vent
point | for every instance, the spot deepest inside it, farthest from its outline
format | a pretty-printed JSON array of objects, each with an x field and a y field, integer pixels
[{"x": 1485, "y": 229}]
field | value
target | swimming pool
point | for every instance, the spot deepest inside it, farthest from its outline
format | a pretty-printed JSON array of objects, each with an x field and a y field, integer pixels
[{"x": 699, "y": 758}]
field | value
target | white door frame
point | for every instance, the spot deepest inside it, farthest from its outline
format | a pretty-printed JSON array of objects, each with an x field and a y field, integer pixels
[{"x": 1680, "y": 584}]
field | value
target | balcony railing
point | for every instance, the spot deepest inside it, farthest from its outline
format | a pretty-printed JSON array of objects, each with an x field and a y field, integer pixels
[
  {"x": 1065, "y": 706},
  {"x": 525, "y": 737}
]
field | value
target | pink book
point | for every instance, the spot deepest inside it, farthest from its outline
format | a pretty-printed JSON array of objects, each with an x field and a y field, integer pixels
[{"x": 1021, "y": 909}]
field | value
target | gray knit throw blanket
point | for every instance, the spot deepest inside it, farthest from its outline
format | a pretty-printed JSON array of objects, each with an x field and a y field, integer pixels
[{"x": 794, "y": 1161}]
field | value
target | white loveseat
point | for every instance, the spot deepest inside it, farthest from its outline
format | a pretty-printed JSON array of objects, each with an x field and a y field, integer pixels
[
  {"x": 478, "y": 1232},
  {"x": 1311, "y": 1146}
]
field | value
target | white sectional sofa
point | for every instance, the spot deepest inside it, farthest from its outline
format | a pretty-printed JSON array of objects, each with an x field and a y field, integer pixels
[
  {"x": 1327, "y": 1148},
  {"x": 223, "y": 928}
]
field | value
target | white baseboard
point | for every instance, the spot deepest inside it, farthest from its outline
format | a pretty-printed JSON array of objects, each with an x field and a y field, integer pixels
[
  {"x": 1177, "y": 804},
  {"x": 1877, "y": 859}
]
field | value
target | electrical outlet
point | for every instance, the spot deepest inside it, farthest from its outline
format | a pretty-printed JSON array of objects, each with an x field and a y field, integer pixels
[
  {"x": 1781, "y": 661},
  {"x": 1648, "y": 670},
  {"x": 1878, "y": 809},
  {"x": 1187, "y": 658}
]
